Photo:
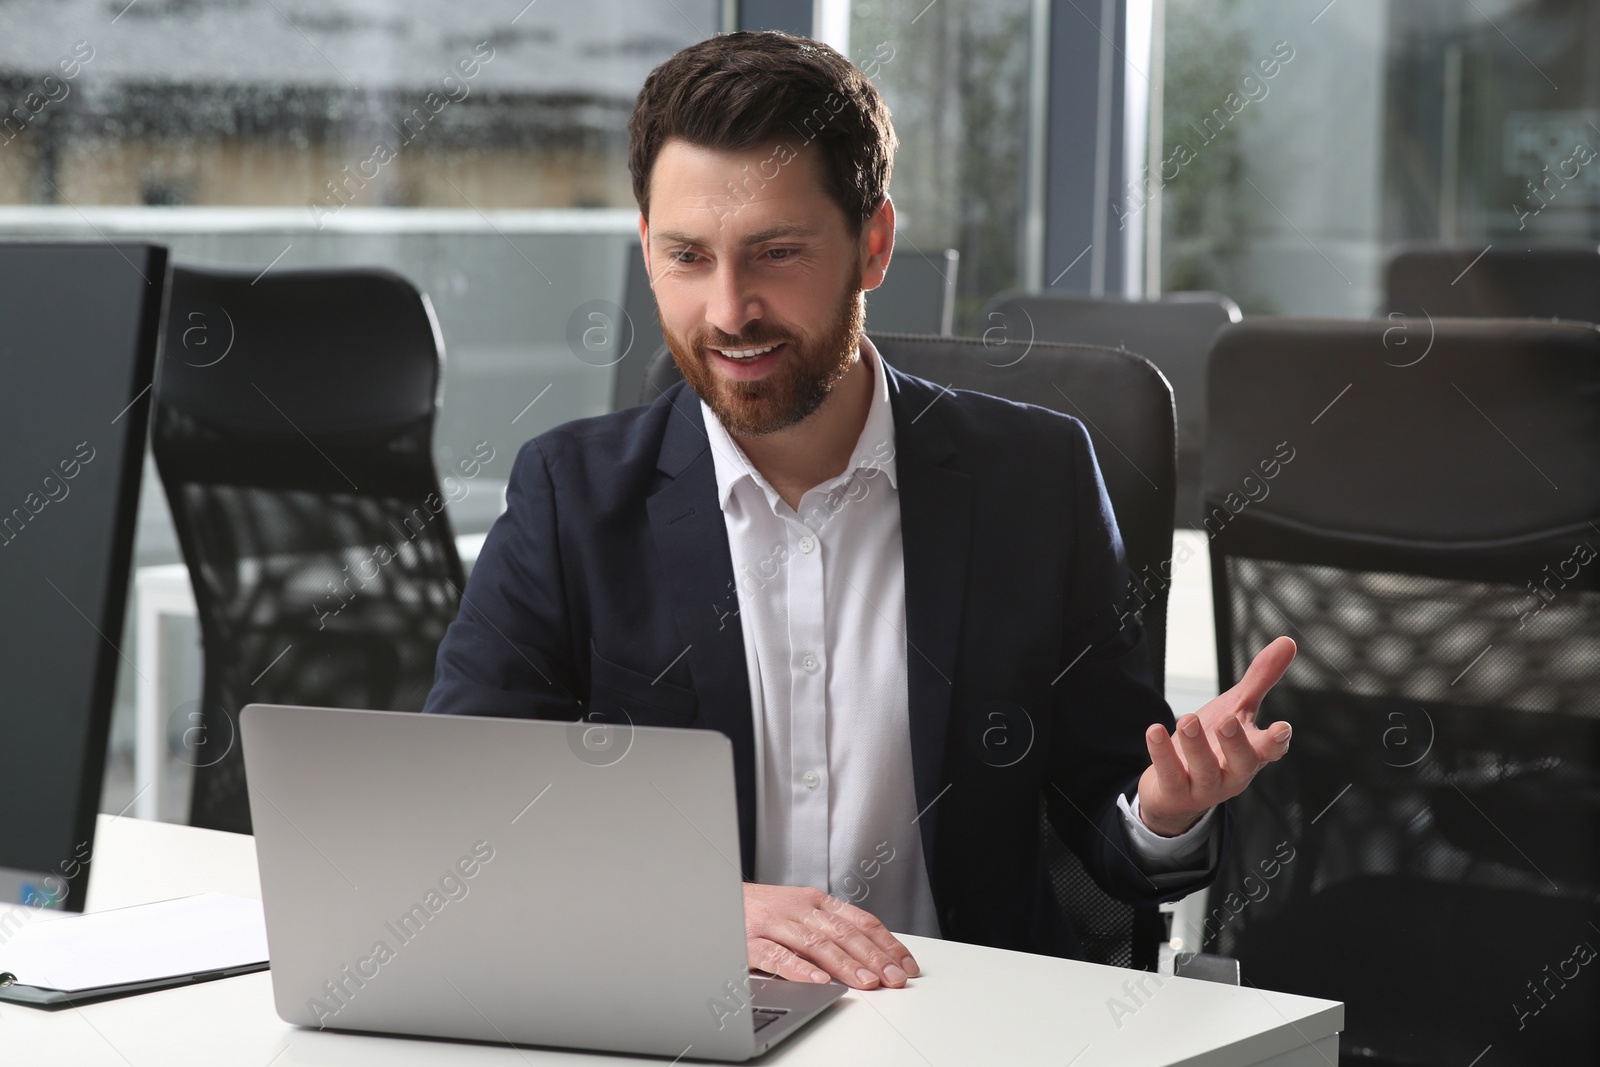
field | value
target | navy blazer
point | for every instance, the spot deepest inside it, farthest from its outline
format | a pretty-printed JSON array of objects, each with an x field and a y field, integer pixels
[{"x": 608, "y": 583}]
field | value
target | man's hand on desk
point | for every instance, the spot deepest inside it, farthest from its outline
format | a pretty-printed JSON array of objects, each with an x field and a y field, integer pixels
[
  {"x": 803, "y": 934},
  {"x": 1218, "y": 749}
]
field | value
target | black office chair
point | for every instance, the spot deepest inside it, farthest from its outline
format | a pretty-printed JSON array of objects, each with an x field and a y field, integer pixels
[
  {"x": 1423, "y": 527},
  {"x": 293, "y": 431},
  {"x": 1554, "y": 281},
  {"x": 1174, "y": 333},
  {"x": 918, "y": 294},
  {"x": 1127, "y": 407},
  {"x": 641, "y": 329}
]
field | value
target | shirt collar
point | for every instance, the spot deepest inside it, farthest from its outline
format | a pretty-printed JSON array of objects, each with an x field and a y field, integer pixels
[{"x": 874, "y": 448}]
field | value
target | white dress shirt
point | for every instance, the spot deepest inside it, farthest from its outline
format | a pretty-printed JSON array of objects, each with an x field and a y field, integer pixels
[{"x": 822, "y": 609}]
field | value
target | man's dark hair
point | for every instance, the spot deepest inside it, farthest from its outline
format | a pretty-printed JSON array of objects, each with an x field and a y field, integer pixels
[{"x": 738, "y": 90}]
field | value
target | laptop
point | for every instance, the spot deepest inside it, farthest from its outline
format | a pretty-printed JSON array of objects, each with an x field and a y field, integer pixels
[{"x": 515, "y": 881}]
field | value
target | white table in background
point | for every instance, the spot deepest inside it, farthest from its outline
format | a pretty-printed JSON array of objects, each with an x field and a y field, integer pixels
[{"x": 971, "y": 1006}]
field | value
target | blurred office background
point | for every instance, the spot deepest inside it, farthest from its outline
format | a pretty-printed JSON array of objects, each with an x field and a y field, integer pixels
[{"x": 1275, "y": 152}]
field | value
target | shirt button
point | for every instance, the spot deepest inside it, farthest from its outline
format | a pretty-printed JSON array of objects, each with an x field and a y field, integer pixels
[
  {"x": 810, "y": 664},
  {"x": 807, "y": 544},
  {"x": 810, "y": 779}
]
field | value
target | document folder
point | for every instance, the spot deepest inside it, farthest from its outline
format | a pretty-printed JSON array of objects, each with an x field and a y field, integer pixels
[{"x": 52, "y": 961}]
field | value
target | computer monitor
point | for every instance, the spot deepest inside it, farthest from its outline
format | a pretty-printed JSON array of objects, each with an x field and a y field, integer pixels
[{"x": 78, "y": 334}]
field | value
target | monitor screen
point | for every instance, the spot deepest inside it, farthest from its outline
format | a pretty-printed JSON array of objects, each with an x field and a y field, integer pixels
[{"x": 78, "y": 334}]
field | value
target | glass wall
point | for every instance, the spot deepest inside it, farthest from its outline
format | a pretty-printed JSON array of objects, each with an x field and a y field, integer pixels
[
  {"x": 331, "y": 105},
  {"x": 1302, "y": 142},
  {"x": 955, "y": 77},
  {"x": 1493, "y": 123},
  {"x": 477, "y": 147},
  {"x": 345, "y": 132}
]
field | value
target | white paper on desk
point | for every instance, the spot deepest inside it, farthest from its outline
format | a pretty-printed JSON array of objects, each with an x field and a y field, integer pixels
[{"x": 187, "y": 935}]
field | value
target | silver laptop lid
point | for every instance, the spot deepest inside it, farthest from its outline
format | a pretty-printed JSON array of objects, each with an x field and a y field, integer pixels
[{"x": 501, "y": 880}]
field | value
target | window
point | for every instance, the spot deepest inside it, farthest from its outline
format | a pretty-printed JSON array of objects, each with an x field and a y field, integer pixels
[
  {"x": 1435, "y": 121},
  {"x": 476, "y": 148},
  {"x": 955, "y": 78}
]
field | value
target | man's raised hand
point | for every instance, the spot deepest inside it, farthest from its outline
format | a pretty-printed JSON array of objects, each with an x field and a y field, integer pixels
[{"x": 1213, "y": 753}]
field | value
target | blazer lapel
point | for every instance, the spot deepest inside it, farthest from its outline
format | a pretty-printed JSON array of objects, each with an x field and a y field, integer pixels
[
  {"x": 935, "y": 534},
  {"x": 692, "y": 542}
]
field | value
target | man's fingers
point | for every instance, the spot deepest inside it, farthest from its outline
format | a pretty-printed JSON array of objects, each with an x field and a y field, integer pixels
[
  {"x": 1205, "y": 772},
  {"x": 805, "y": 934},
  {"x": 767, "y": 955},
  {"x": 822, "y": 944},
  {"x": 1170, "y": 773},
  {"x": 1264, "y": 671},
  {"x": 1212, "y": 754},
  {"x": 1239, "y": 754},
  {"x": 873, "y": 963},
  {"x": 1271, "y": 743},
  {"x": 872, "y": 927}
]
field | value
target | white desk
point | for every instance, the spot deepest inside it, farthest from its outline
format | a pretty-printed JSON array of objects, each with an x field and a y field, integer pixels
[
  {"x": 164, "y": 592},
  {"x": 971, "y": 1006}
]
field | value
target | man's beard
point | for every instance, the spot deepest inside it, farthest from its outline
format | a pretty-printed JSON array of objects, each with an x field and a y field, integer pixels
[{"x": 808, "y": 369}]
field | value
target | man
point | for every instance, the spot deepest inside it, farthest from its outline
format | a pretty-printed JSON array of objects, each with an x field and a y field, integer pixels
[{"x": 900, "y": 602}]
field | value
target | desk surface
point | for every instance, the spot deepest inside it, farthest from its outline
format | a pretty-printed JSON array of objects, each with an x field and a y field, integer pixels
[{"x": 971, "y": 1006}]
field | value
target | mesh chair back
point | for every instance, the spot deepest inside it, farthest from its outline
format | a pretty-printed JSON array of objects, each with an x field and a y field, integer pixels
[
  {"x": 1542, "y": 282},
  {"x": 1174, "y": 333},
  {"x": 293, "y": 429},
  {"x": 1127, "y": 407},
  {"x": 1419, "y": 517}
]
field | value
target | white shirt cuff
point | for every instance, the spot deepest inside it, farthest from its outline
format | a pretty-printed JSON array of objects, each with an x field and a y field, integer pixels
[{"x": 1155, "y": 854}]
